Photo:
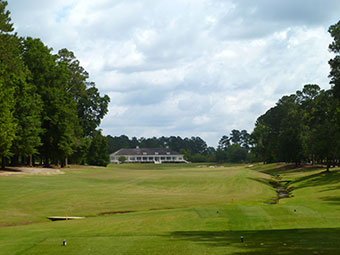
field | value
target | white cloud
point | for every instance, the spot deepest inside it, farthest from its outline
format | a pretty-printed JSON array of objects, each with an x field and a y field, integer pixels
[
  {"x": 201, "y": 120},
  {"x": 188, "y": 68}
]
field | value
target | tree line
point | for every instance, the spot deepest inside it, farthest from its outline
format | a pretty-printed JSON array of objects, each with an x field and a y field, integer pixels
[
  {"x": 305, "y": 126},
  {"x": 235, "y": 148},
  {"x": 194, "y": 149},
  {"x": 50, "y": 110}
]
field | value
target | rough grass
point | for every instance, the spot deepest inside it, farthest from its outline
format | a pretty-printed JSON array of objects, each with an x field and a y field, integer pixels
[{"x": 174, "y": 209}]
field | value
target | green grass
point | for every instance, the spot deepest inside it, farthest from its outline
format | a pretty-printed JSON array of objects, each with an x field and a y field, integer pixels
[{"x": 174, "y": 209}]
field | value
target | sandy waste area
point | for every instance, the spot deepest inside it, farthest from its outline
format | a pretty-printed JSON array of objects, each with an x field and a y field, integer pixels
[{"x": 9, "y": 171}]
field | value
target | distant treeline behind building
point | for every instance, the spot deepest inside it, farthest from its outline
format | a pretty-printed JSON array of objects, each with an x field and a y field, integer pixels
[
  {"x": 235, "y": 148},
  {"x": 194, "y": 148}
]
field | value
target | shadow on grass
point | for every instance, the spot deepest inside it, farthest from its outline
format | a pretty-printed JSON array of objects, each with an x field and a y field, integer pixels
[
  {"x": 282, "y": 188},
  {"x": 261, "y": 180},
  {"x": 318, "y": 179},
  {"x": 261, "y": 242},
  {"x": 10, "y": 170},
  {"x": 335, "y": 200},
  {"x": 313, "y": 179},
  {"x": 283, "y": 168}
]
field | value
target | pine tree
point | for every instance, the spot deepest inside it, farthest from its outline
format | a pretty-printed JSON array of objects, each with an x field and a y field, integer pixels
[
  {"x": 98, "y": 154},
  {"x": 11, "y": 71}
]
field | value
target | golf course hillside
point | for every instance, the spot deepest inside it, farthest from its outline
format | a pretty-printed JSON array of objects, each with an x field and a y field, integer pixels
[{"x": 172, "y": 209}]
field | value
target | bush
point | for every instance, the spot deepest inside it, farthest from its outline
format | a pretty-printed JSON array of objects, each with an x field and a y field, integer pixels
[{"x": 122, "y": 159}]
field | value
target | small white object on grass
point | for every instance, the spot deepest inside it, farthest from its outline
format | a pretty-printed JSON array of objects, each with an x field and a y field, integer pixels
[{"x": 64, "y": 243}]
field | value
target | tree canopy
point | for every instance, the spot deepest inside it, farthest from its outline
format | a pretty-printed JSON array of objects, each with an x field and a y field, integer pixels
[{"x": 49, "y": 108}]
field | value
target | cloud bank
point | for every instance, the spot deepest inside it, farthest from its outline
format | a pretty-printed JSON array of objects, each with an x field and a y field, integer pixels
[{"x": 187, "y": 67}]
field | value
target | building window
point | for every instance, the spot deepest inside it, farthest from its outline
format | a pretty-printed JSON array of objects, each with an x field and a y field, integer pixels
[
  {"x": 132, "y": 158},
  {"x": 139, "y": 158},
  {"x": 150, "y": 158},
  {"x": 157, "y": 158},
  {"x": 162, "y": 158},
  {"x": 168, "y": 158},
  {"x": 174, "y": 158},
  {"x": 145, "y": 158},
  {"x": 180, "y": 158}
]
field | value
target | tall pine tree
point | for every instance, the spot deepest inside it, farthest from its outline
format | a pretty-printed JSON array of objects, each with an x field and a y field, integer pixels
[{"x": 11, "y": 73}]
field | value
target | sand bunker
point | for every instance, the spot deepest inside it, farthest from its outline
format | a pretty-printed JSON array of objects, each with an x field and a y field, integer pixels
[{"x": 11, "y": 171}]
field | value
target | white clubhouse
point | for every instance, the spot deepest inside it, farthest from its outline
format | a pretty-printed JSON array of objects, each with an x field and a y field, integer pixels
[{"x": 147, "y": 155}]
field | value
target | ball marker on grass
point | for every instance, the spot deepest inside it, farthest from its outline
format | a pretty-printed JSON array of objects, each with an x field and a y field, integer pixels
[{"x": 64, "y": 242}]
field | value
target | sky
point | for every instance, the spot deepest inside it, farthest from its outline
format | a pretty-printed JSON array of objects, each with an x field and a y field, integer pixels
[{"x": 187, "y": 67}]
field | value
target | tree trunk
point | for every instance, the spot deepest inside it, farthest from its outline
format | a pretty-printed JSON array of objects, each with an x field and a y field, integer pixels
[
  {"x": 31, "y": 160},
  {"x": 3, "y": 163},
  {"x": 15, "y": 160},
  {"x": 46, "y": 163},
  {"x": 24, "y": 160},
  {"x": 328, "y": 165}
]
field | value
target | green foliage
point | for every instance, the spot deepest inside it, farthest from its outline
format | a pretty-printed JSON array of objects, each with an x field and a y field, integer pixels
[
  {"x": 235, "y": 148},
  {"x": 224, "y": 143},
  {"x": 301, "y": 127},
  {"x": 325, "y": 132},
  {"x": 5, "y": 19},
  {"x": 48, "y": 108},
  {"x": 195, "y": 149},
  {"x": 7, "y": 125},
  {"x": 122, "y": 159},
  {"x": 59, "y": 117},
  {"x": 236, "y": 154},
  {"x": 186, "y": 154},
  {"x": 278, "y": 134},
  {"x": 91, "y": 107},
  {"x": 334, "y": 63},
  {"x": 97, "y": 154},
  {"x": 27, "y": 115},
  {"x": 290, "y": 139},
  {"x": 198, "y": 158},
  {"x": 221, "y": 155},
  {"x": 80, "y": 149},
  {"x": 12, "y": 72},
  {"x": 116, "y": 143}
]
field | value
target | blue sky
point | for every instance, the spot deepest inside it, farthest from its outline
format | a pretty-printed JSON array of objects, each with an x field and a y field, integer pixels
[{"x": 188, "y": 67}]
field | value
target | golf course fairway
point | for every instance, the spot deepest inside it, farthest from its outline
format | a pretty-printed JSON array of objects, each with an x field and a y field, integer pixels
[{"x": 172, "y": 209}]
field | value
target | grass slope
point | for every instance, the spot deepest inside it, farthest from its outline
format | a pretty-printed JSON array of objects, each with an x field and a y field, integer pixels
[{"x": 174, "y": 209}]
